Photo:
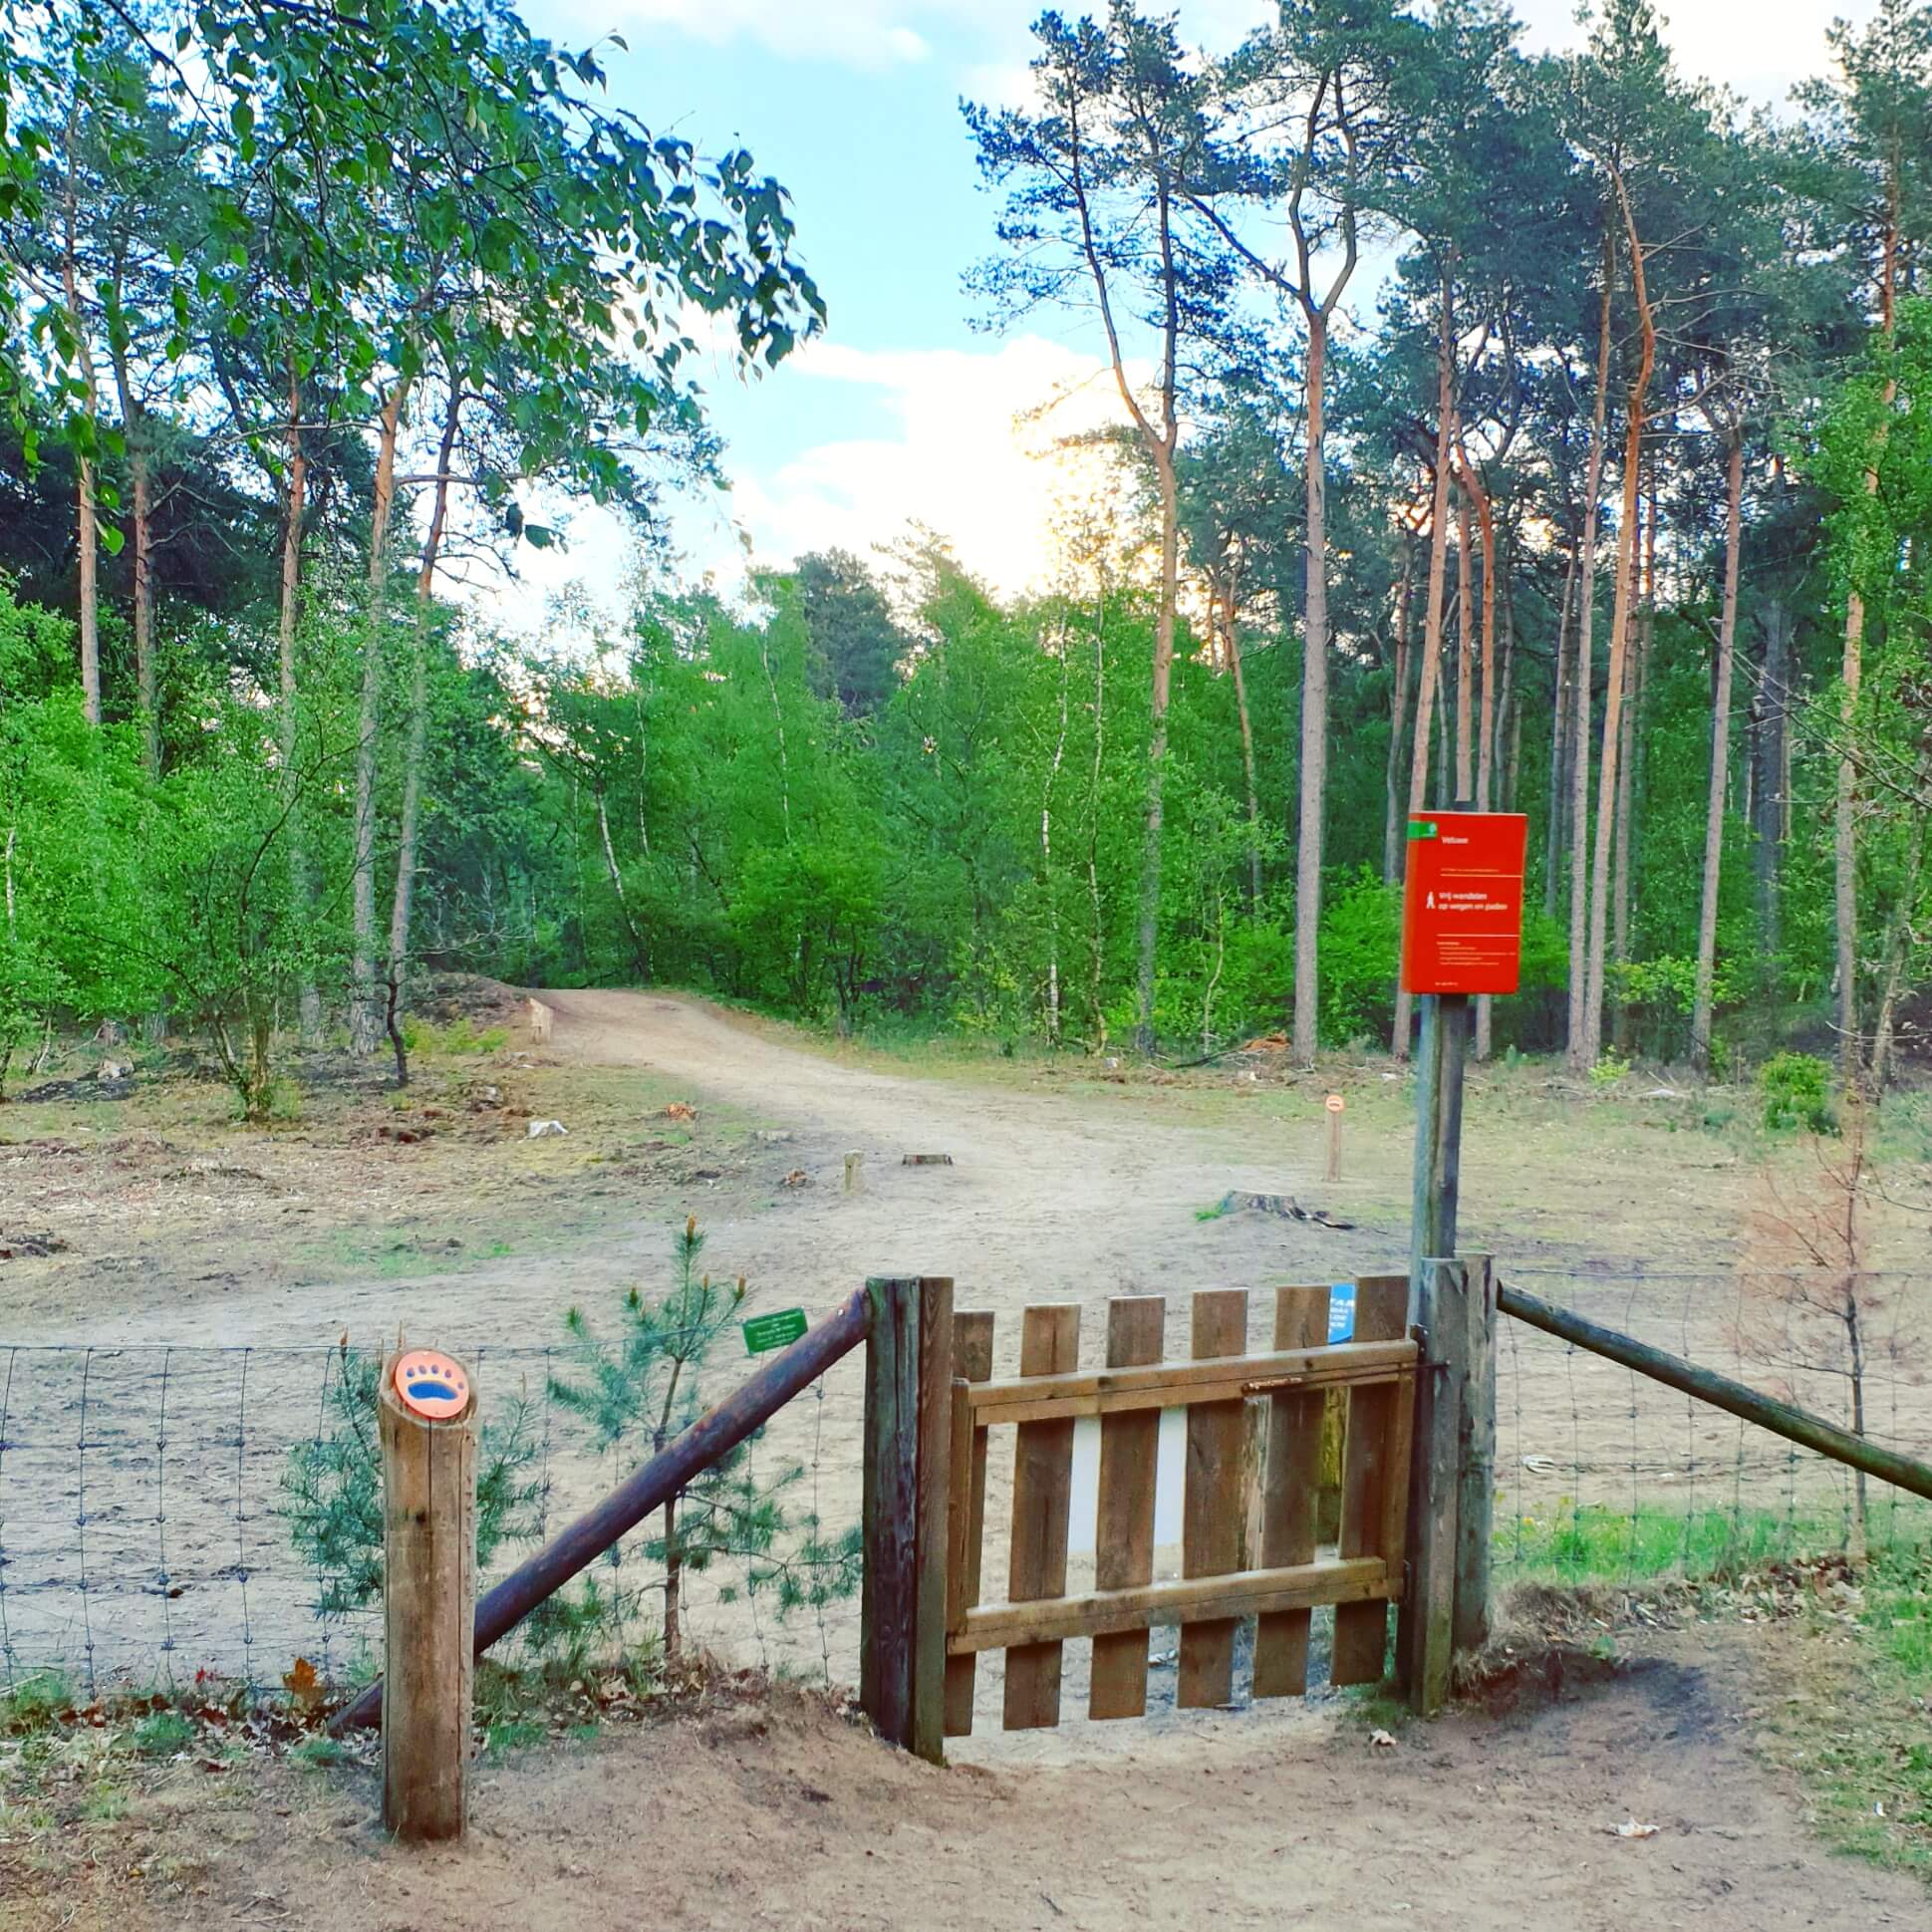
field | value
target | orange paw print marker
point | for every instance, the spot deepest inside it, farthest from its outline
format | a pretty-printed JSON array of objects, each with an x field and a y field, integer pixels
[{"x": 430, "y": 1384}]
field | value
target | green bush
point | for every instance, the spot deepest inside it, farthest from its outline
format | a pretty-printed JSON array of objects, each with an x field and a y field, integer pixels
[
  {"x": 1361, "y": 938},
  {"x": 1795, "y": 1086}
]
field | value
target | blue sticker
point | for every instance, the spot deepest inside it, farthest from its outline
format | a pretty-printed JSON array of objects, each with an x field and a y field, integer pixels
[{"x": 1341, "y": 1311}]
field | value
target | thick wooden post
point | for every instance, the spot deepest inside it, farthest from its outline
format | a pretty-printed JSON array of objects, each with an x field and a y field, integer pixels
[
  {"x": 428, "y": 1609},
  {"x": 1439, "y": 1126},
  {"x": 890, "y": 1509},
  {"x": 908, "y": 1462},
  {"x": 931, "y": 1529},
  {"x": 1426, "y": 1632},
  {"x": 1475, "y": 1505}
]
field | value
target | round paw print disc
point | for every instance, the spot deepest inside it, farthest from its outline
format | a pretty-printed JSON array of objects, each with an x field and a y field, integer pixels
[{"x": 431, "y": 1384}]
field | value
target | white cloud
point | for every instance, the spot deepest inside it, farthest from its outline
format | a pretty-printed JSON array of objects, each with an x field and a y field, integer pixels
[
  {"x": 1759, "y": 47},
  {"x": 859, "y": 33},
  {"x": 981, "y": 457}
]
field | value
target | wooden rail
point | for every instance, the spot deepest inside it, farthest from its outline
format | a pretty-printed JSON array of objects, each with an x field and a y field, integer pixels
[
  {"x": 1239, "y": 1593},
  {"x": 716, "y": 1433},
  {"x": 1735, "y": 1398},
  {"x": 1172, "y": 1385}
]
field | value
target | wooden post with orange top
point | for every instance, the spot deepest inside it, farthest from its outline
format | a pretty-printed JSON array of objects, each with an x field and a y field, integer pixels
[{"x": 427, "y": 1411}]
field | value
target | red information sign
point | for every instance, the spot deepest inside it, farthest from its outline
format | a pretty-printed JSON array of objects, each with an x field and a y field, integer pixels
[{"x": 1461, "y": 912}]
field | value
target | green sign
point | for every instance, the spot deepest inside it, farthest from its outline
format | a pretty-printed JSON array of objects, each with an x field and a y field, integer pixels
[
  {"x": 765, "y": 1332},
  {"x": 1422, "y": 828}
]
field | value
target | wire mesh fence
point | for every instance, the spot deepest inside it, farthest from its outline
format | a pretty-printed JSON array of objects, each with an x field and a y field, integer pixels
[
  {"x": 151, "y": 1504},
  {"x": 1605, "y": 1474},
  {"x": 150, "y": 1498}
]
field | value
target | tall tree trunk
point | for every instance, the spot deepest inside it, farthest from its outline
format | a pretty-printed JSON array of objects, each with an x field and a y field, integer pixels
[
  {"x": 1493, "y": 702},
  {"x": 1247, "y": 755},
  {"x": 1561, "y": 698},
  {"x": 295, "y": 492},
  {"x": 365, "y": 1009},
  {"x": 1582, "y": 1042},
  {"x": 1149, "y": 931},
  {"x": 1844, "y": 844},
  {"x": 1047, "y": 856},
  {"x": 405, "y": 831},
  {"x": 1773, "y": 782},
  {"x": 1465, "y": 651},
  {"x": 1398, "y": 710},
  {"x": 1096, "y": 913},
  {"x": 638, "y": 954},
  {"x": 87, "y": 518},
  {"x": 1707, "y": 916},
  {"x": 1630, "y": 777},
  {"x": 1899, "y": 936},
  {"x": 1487, "y": 700},
  {"x": 1432, "y": 627},
  {"x": 1313, "y": 783},
  {"x": 1606, "y": 794},
  {"x": 133, "y": 421}
]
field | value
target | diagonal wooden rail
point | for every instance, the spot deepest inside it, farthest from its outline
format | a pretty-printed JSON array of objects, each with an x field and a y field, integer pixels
[
  {"x": 1736, "y": 1398},
  {"x": 716, "y": 1433}
]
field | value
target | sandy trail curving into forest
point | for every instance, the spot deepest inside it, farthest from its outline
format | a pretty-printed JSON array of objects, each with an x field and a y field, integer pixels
[{"x": 1049, "y": 1196}]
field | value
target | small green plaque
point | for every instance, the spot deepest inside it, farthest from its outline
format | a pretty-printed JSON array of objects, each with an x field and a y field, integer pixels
[
  {"x": 1422, "y": 828},
  {"x": 763, "y": 1333}
]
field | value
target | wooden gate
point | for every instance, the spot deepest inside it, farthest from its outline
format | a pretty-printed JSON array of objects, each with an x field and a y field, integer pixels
[{"x": 1254, "y": 1426}]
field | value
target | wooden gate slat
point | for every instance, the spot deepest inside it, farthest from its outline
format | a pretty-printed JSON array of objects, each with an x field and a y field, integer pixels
[
  {"x": 971, "y": 1362},
  {"x": 1291, "y": 1480},
  {"x": 1124, "y": 1518},
  {"x": 1362, "y": 1629},
  {"x": 1210, "y": 1519},
  {"x": 1050, "y": 1345}
]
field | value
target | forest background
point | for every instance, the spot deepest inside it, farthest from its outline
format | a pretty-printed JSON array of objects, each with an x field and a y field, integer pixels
[{"x": 1543, "y": 432}]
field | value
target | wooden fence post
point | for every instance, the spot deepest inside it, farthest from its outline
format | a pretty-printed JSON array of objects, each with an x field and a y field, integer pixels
[
  {"x": 932, "y": 1538},
  {"x": 907, "y": 1459},
  {"x": 1475, "y": 1505},
  {"x": 429, "y": 1443},
  {"x": 1426, "y": 1630}
]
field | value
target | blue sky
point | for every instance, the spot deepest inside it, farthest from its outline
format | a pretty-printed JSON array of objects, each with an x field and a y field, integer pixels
[{"x": 854, "y": 105}]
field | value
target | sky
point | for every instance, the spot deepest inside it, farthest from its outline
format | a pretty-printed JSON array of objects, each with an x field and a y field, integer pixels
[{"x": 904, "y": 411}]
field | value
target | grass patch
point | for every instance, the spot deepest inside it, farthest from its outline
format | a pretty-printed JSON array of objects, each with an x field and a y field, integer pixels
[
  {"x": 1858, "y": 1643},
  {"x": 36, "y": 1703},
  {"x": 162, "y": 1734}
]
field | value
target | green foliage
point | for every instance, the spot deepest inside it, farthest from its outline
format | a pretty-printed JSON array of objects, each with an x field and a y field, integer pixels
[
  {"x": 1361, "y": 937},
  {"x": 332, "y": 1488},
  {"x": 648, "y": 1388},
  {"x": 1796, "y": 1088},
  {"x": 162, "y": 1733}
]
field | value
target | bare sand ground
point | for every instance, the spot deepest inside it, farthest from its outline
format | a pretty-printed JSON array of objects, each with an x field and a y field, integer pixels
[{"x": 775, "y": 1814}]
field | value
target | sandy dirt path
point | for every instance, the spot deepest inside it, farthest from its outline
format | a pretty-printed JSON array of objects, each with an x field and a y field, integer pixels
[{"x": 778, "y": 1815}]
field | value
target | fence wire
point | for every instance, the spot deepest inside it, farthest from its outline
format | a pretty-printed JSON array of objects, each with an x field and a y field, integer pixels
[
  {"x": 145, "y": 1494},
  {"x": 148, "y": 1500},
  {"x": 1603, "y": 1475}
]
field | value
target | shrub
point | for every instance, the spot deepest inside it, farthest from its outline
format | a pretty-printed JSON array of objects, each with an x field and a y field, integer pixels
[{"x": 1795, "y": 1086}]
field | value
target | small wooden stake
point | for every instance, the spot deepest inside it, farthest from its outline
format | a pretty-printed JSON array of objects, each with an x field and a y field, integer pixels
[
  {"x": 429, "y": 1611},
  {"x": 855, "y": 1173},
  {"x": 1334, "y": 1105}
]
